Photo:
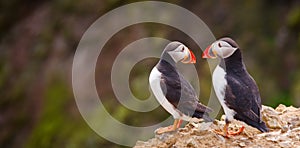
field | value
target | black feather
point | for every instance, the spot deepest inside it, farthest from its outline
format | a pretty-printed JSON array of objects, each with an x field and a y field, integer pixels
[
  {"x": 241, "y": 93},
  {"x": 179, "y": 92}
]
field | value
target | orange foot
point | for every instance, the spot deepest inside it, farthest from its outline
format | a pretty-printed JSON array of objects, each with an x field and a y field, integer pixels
[
  {"x": 237, "y": 132},
  {"x": 165, "y": 129},
  {"x": 227, "y": 133},
  {"x": 170, "y": 128}
]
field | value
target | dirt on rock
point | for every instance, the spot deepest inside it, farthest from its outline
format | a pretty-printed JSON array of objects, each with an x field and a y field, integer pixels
[{"x": 284, "y": 124}]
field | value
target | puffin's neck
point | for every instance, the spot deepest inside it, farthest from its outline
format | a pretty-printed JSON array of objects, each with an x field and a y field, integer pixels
[
  {"x": 167, "y": 65},
  {"x": 233, "y": 63},
  {"x": 167, "y": 58}
]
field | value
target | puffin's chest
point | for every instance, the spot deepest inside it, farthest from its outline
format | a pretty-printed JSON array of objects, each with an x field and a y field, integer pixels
[{"x": 219, "y": 81}]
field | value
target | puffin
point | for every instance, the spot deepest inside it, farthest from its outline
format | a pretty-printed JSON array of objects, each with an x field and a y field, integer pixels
[
  {"x": 174, "y": 93},
  {"x": 235, "y": 89}
]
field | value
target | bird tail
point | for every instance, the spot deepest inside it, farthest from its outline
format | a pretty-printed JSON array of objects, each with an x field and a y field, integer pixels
[
  {"x": 202, "y": 112},
  {"x": 259, "y": 125},
  {"x": 207, "y": 118},
  {"x": 262, "y": 127},
  {"x": 202, "y": 108},
  {"x": 202, "y": 115}
]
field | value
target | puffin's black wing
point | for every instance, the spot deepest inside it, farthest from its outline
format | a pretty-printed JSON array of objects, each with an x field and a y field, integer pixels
[
  {"x": 242, "y": 95},
  {"x": 189, "y": 95},
  {"x": 182, "y": 95}
]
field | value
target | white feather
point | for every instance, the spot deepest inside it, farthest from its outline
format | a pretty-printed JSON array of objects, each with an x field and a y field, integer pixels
[
  {"x": 154, "y": 80},
  {"x": 223, "y": 49},
  {"x": 219, "y": 83}
]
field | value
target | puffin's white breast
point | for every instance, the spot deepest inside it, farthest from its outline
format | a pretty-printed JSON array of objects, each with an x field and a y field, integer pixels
[
  {"x": 220, "y": 83},
  {"x": 154, "y": 81}
]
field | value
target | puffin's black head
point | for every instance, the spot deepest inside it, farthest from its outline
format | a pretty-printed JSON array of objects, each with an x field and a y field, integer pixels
[
  {"x": 222, "y": 48},
  {"x": 179, "y": 52}
]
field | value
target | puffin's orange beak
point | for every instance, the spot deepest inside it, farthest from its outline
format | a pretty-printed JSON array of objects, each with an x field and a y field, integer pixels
[
  {"x": 190, "y": 59},
  {"x": 206, "y": 53}
]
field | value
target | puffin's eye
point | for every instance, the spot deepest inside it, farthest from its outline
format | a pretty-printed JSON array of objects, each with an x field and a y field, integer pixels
[
  {"x": 182, "y": 49},
  {"x": 219, "y": 44}
]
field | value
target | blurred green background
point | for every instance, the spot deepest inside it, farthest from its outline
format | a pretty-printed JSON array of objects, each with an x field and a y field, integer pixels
[{"x": 39, "y": 39}]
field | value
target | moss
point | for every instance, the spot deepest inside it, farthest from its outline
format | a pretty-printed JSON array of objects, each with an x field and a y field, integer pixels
[
  {"x": 52, "y": 124},
  {"x": 293, "y": 19},
  {"x": 281, "y": 98},
  {"x": 121, "y": 113},
  {"x": 56, "y": 126}
]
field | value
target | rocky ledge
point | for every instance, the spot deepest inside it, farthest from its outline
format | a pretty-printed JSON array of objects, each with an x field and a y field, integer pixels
[{"x": 284, "y": 124}]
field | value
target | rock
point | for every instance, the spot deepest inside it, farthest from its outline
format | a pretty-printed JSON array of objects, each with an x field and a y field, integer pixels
[
  {"x": 164, "y": 136},
  {"x": 285, "y": 128},
  {"x": 280, "y": 108},
  {"x": 192, "y": 142},
  {"x": 284, "y": 124},
  {"x": 242, "y": 144},
  {"x": 285, "y": 144},
  {"x": 271, "y": 117}
]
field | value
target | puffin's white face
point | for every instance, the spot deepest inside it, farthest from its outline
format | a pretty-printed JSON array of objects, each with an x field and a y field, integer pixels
[
  {"x": 219, "y": 48},
  {"x": 183, "y": 54}
]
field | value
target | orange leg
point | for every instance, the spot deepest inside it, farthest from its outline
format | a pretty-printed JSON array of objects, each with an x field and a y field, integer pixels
[
  {"x": 227, "y": 133},
  {"x": 170, "y": 128},
  {"x": 179, "y": 123},
  {"x": 237, "y": 132}
]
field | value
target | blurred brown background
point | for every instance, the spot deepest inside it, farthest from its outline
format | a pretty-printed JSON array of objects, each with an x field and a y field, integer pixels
[{"x": 39, "y": 39}]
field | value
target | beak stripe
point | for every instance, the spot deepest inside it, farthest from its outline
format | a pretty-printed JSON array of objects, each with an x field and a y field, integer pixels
[
  {"x": 192, "y": 57},
  {"x": 206, "y": 52}
]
